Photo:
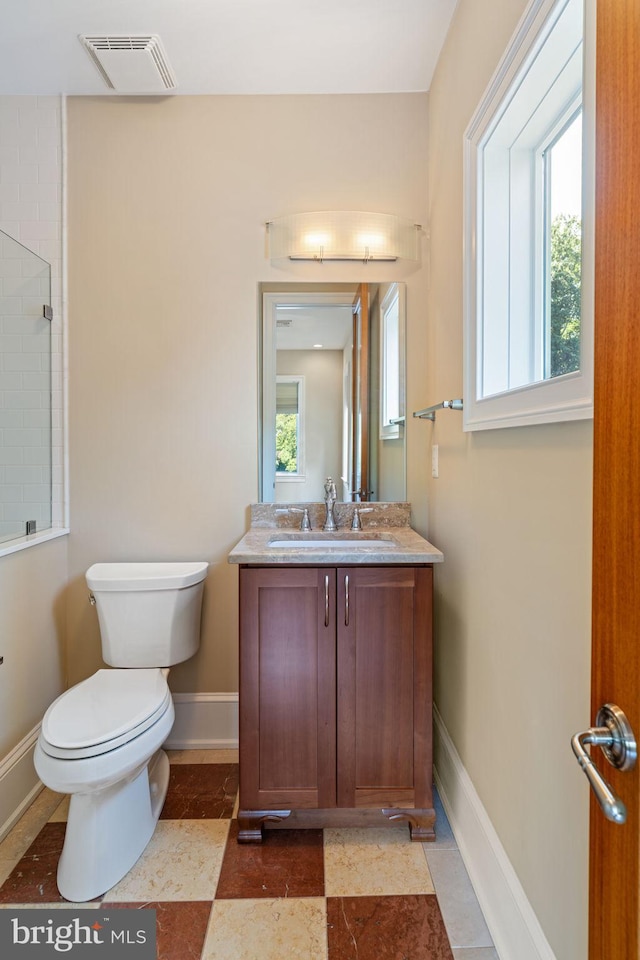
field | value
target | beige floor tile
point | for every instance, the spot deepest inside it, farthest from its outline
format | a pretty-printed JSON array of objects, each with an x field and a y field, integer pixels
[
  {"x": 373, "y": 862},
  {"x": 29, "y": 825},
  {"x": 61, "y": 812},
  {"x": 294, "y": 929},
  {"x": 475, "y": 953},
  {"x": 202, "y": 756},
  {"x": 460, "y": 909},
  {"x": 181, "y": 862}
]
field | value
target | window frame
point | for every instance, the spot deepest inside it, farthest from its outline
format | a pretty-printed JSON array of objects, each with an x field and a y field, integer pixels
[
  {"x": 392, "y": 429},
  {"x": 566, "y": 397}
]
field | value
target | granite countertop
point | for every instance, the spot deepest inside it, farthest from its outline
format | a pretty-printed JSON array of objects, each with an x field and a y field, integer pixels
[{"x": 386, "y": 524}]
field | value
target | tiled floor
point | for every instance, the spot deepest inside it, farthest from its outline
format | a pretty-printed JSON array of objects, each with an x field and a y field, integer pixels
[{"x": 338, "y": 894}]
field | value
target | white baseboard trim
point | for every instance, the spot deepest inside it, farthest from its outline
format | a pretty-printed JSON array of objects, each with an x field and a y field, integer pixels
[
  {"x": 19, "y": 783},
  {"x": 204, "y": 721},
  {"x": 512, "y": 922}
]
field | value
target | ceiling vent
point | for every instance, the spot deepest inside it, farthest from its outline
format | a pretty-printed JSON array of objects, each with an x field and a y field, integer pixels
[{"x": 134, "y": 65}]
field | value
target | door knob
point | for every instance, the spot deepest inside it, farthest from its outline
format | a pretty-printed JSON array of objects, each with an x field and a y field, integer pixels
[{"x": 616, "y": 738}]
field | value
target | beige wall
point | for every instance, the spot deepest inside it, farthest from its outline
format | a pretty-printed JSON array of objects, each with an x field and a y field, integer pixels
[
  {"x": 32, "y": 624},
  {"x": 32, "y": 628},
  {"x": 167, "y": 205},
  {"x": 512, "y": 513}
]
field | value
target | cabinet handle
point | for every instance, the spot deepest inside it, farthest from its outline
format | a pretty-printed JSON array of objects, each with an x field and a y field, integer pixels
[
  {"x": 346, "y": 600},
  {"x": 326, "y": 600}
]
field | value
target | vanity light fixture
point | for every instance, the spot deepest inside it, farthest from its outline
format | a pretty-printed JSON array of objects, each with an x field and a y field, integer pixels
[{"x": 342, "y": 235}]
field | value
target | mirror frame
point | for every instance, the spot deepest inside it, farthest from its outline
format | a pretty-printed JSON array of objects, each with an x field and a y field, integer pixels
[{"x": 324, "y": 293}]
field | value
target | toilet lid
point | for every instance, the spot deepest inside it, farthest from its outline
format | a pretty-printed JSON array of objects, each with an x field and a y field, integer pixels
[{"x": 108, "y": 709}]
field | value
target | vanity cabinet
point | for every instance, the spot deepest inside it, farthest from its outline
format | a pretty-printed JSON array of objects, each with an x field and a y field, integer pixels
[{"x": 335, "y": 697}]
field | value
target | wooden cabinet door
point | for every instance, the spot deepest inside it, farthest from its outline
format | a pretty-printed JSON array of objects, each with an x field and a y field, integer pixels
[
  {"x": 288, "y": 688},
  {"x": 384, "y": 687}
]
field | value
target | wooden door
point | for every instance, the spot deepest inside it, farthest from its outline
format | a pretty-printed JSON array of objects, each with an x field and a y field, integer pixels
[
  {"x": 615, "y": 850},
  {"x": 384, "y": 689},
  {"x": 287, "y": 688},
  {"x": 360, "y": 399}
]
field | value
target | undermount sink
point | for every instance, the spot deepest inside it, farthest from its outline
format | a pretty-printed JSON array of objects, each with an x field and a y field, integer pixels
[{"x": 331, "y": 543}]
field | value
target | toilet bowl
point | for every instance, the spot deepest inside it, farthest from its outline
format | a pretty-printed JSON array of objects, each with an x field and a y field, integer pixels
[{"x": 100, "y": 741}]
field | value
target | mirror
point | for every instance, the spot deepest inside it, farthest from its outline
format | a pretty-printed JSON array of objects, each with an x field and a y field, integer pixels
[{"x": 332, "y": 391}]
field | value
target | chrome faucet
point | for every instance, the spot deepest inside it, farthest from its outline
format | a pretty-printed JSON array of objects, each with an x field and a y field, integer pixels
[{"x": 330, "y": 498}]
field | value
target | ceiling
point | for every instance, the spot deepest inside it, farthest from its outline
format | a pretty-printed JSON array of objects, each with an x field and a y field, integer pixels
[
  {"x": 313, "y": 327},
  {"x": 230, "y": 46}
]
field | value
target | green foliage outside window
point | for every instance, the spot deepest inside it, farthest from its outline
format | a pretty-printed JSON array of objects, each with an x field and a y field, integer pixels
[
  {"x": 286, "y": 442},
  {"x": 566, "y": 246}
]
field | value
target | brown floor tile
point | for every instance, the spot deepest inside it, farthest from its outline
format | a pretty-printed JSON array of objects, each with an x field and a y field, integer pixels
[
  {"x": 201, "y": 791},
  {"x": 180, "y": 927},
  {"x": 288, "y": 863},
  {"x": 386, "y": 928},
  {"x": 33, "y": 879}
]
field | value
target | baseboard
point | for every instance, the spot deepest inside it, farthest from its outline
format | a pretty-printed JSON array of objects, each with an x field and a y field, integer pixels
[
  {"x": 512, "y": 922},
  {"x": 19, "y": 783},
  {"x": 204, "y": 721}
]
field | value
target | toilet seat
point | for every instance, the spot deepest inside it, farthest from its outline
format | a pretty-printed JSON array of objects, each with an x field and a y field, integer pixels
[{"x": 104, "y": 712}]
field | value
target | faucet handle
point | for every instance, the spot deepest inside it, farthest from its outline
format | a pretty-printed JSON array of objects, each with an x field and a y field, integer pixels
[
  {"x": 360, "y": 493},
  {"x": 355, "y": 522},
  {"x": 305, "y": 523}
]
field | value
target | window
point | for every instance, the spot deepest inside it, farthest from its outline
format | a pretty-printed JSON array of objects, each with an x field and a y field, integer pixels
[
  {"x": 289, "y": 428},
  {"x": 563, "y": 250},
  {"x": 391, "y": 367},
  {"x": 528, "y": 229}
]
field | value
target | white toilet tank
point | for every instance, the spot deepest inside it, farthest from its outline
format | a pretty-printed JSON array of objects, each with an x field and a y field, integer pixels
[{"x": 149, "y": 613}]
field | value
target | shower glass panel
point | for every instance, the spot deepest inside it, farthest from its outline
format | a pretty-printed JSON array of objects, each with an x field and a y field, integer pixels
[{"x": 25, "y": 391}]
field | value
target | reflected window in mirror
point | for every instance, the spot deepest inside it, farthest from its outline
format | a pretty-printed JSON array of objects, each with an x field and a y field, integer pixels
[
  {"x": 391, "y": 369},
  {"x": 289, "y": 428}
]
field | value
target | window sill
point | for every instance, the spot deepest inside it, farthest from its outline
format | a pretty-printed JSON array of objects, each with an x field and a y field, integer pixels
[
  {"x": 22, "y": 543},
  {"x": 549, "y": 401}
]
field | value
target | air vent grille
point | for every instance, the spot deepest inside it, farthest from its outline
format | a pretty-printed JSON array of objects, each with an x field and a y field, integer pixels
[{"x": 131, "y": 64}]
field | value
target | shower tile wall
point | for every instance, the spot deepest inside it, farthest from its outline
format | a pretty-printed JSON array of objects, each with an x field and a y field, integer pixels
[{"x": 31, "y": 177}]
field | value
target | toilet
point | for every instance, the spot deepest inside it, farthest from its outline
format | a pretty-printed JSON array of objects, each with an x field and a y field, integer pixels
[{"x": 100, "y": 741}]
